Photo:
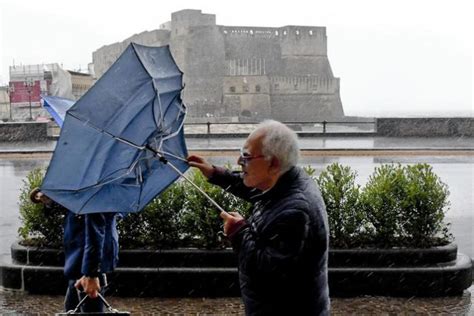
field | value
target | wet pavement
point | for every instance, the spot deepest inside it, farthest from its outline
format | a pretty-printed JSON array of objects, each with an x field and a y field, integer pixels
[{"x": 15, "y": 303}]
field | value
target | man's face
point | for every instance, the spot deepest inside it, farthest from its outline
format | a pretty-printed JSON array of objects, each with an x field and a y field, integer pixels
[
  {"x": 255, "y": 167},
  {"x": 42, "y": 198}
]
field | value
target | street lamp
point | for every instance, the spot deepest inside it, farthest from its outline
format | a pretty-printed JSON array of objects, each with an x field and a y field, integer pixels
[
  {"x": 11, "y": 90},
  {"x": 29, "y": 87}
]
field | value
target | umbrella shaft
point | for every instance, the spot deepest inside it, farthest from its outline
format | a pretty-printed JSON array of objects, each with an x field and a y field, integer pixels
[{"x": 197, "y": 187}]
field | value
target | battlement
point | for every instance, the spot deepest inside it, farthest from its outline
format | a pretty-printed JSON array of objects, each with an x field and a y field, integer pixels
[{"x": 310, "y": 32}]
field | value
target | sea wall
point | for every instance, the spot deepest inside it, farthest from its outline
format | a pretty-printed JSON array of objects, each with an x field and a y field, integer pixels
[{"x": 425, "y": 127}]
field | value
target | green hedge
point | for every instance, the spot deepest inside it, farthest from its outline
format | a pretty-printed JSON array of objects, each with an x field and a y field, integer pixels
[{"x": 400, "y": 206}]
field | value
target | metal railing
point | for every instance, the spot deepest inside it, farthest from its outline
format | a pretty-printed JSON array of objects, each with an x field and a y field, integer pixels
[
  {"x": 319, "y": 126},
  {"x": 246, "y": 127}
]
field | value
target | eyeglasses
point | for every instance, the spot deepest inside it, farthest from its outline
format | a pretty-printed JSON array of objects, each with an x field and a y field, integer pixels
[{"x": 245, "y": 157}]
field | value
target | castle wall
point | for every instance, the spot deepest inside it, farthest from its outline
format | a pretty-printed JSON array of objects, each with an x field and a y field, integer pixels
[
  {"x": 246, "y": 43},
  {"x": 105, "y": 56},
  {"x": 303, "y": 41},
  {"x": 247, "y": 96},
  {"x": 308, "y": 84},
  {"x": 306, "y": 65},
  {"x": 306, "y": 107}
]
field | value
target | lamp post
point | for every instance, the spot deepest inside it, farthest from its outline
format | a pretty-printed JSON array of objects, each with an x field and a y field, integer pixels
[
  {"x": 10, "y": 89},
  {"x": 29, "y": 87}
]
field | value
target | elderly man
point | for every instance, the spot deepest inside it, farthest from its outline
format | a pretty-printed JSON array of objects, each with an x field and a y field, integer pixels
[{"x": 282, "y": 247}]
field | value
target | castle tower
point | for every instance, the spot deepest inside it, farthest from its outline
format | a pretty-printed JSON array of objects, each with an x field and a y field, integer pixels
[{"x": 198, "y": 48}]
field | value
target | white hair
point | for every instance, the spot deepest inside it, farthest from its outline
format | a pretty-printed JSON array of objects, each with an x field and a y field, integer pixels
[{"x": 279, "y": 141}]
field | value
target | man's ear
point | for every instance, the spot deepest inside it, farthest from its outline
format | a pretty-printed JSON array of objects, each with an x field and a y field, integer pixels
[{"x": 275, "y": 165}]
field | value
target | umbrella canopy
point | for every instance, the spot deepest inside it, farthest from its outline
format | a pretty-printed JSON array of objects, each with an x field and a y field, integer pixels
[
  {"x": 105, "y": 159},
  {"x": 57, "y": 107}
]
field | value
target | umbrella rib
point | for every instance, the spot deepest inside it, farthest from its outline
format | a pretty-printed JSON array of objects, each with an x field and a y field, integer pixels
[
  {"x": 107, "y": 133},
  {"x": 172, "y": 155}
]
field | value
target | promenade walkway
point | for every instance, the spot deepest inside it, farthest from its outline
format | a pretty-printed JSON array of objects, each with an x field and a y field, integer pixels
[{"x": 12, "y": 303}]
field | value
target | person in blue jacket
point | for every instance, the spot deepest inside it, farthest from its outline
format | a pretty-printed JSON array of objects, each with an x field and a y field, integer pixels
[{"x": 90, "y": 251}]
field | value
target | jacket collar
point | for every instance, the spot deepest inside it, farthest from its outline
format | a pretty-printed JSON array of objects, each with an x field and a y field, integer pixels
[{"x": 280, "y": 187}]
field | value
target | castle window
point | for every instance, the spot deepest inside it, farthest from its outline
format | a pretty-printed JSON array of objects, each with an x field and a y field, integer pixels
[
  {"x": 246, "y": 113},
  {"x": 295, "y": 86},
  {"x": 310, "y": 32},
  {"x": 246, "y": 88},
  {"x": 276, "y": 86},
  {"x": 257, "y": 88},
  {"x": 232, "y": 89},
  {"x": 251, "y": 32},
  {"x": 225, "y": 31},
  {"x": 284, "y": 32},
  {"x": 297, "y": 32},
  {"x": 276, "y": 33}
]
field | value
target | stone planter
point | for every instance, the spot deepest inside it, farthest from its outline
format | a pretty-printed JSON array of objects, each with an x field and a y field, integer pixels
[{"x": 437, "y": 271}]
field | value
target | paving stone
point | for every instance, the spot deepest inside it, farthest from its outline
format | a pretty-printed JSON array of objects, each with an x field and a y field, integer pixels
[{"x": 21, "y": 304}]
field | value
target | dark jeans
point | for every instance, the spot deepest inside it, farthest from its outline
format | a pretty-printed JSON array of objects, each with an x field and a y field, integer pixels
[{"x": 74, "y": 296}]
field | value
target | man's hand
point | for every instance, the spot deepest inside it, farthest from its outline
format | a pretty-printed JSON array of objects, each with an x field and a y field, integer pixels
[
  {"x": 199, "y": 162},
  {"x": 90, "y": 286},
  {"x": 232, "y": 222}
]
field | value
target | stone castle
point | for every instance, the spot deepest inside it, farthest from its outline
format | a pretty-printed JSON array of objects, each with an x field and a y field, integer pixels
[{"x": 244, "y": 72}]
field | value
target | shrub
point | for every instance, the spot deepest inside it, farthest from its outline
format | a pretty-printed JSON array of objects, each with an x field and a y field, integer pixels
[
  {"x": 39, "y": 225},
  {"x": 381, "y": 200},
  {"x": 406, "y": 206},
  {"x": 163, "y": 217},
  {"x": 158, "y": 225},
  {"x": 201, "y": 222},
  {"x": 399, "y": 206},
  {"x": 424, "y": 206},
  {"x": 347, "y": 221}
]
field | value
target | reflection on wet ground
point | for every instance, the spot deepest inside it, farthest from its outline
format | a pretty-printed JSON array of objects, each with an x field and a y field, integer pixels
[
  {"x": 305, "y": 143},
  {"x": 12, "y": 303}
]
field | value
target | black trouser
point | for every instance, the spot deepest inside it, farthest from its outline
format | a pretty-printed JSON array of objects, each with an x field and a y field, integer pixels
[{"x": 74, "y": 296}]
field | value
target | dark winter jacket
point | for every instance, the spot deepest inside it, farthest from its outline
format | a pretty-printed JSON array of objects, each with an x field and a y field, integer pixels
[
  {"x": 283, "y": 246},
  {"x": 90, "y": 243}
]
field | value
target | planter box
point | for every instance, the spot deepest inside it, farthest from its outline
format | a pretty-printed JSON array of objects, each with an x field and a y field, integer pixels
[{"x": 437, "y": 271}]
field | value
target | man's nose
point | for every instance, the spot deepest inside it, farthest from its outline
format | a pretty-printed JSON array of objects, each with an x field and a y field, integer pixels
[{"x": 240, "y": 161}]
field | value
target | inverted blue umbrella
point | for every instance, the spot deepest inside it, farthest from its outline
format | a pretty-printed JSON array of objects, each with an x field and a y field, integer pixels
[
  {"x": 57, "y": 107},
  {"x": 122, "y": 143}
]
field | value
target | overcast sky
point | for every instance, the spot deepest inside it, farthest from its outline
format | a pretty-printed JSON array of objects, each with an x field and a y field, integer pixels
[{"x": 400, "y": 57}]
